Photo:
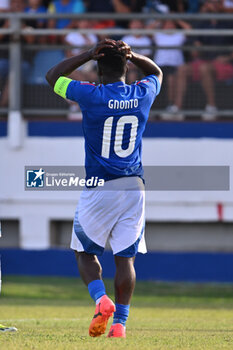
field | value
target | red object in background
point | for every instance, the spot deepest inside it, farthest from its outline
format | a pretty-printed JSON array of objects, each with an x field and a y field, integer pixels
[
  {"x": 104, "y": 24},
  {"x": 220, "y": 211},
  {"x": 223, "y": 71}
]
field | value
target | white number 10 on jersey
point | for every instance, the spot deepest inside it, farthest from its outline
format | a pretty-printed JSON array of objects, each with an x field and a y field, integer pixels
[{"x": 126, "y": 119}]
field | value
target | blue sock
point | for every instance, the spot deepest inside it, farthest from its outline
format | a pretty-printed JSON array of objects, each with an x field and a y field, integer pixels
[
  {"x": 96, "y": 289},
  {"x": 121, "y": 314}
]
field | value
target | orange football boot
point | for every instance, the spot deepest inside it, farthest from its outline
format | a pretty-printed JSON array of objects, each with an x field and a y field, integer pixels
[
  {"x": 117, "y": 330},
  {"x": 104, "y": 309}
]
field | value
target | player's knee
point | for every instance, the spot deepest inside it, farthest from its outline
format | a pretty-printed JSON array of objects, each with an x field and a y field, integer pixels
[{"x": 125, "y": 264}]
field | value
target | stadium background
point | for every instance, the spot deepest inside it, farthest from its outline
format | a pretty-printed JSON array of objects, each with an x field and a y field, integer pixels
[{"x": 189, "y": 234}]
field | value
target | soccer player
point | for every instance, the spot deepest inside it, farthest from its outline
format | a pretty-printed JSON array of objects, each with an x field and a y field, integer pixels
[
  {"x": 114, "y": 118},
  {"x": 2, "y": 327}
]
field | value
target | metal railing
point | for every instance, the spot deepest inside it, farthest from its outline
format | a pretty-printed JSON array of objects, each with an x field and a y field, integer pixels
[{"x": 16, "y": 32}]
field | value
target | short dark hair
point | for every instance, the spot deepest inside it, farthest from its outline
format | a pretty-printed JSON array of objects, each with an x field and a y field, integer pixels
[{"x": 113, "y": 62}]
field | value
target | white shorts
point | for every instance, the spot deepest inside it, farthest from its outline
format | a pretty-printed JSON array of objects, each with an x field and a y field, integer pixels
[{"x": 116, "y": 213}]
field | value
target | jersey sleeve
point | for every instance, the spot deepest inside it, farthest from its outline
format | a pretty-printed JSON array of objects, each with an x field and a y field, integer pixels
[
  {"x": 151, "y": 82},
  {"x": 77, "y": 91}
]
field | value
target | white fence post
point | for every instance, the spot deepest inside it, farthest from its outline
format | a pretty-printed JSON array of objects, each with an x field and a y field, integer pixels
[{"x": 16, "y": 124}]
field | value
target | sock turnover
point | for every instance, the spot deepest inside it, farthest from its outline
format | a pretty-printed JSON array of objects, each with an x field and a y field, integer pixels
[
  {"x": 121, "y": 314},
  {"x": 96, "y": 289}
]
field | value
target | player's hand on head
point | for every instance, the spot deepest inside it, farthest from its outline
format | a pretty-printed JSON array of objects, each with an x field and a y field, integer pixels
[
  {"x": 106, "y": 43},
  {"x": 125, "y": 49}
]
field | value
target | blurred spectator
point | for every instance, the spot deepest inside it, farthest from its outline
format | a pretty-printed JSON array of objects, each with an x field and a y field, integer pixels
[
  {"x": 4, "y": 39},
  {"x": 163, "y": 6},
  {"x": 15, "y": 6},
  {"x": 155, "y": 5},
  {"x": 35, "y": 6},
  {"x": 86, "y": 71},
  {"x": 193, "y": 6},
  {"x": 79, "y": 6},
  {"x": 210, "y": 65},
  {"x": 172, "y": 62},
  {"x": 175, "y": 5},
  {"x": 137, "y": 42},
  {"x": 4, "y": 5},
  {"x": 118, "y": 6},
  {"x": 64, "y": 6},
  {"x": 81, "y": 40},
  {"x": 227, "y": 5},
  {"x": 101, "y": 6},
  {"x": 46, "y": 3},
  {"x": 127, "y": 6}
]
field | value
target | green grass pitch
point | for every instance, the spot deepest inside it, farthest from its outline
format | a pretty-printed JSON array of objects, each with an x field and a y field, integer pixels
[{"x": 54, "y": 314}]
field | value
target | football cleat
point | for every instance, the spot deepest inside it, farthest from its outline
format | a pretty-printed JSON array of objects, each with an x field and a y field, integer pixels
[
  {"x": 117, "y": 330},
  {"x": 104, "y": 309},
  {"x": 7, "y": 329}
]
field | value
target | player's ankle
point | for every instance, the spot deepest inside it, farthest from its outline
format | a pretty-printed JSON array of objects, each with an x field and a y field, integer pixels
[
  {"x": 96, "y": 289},
  {"x": 121, "y": 314},
  {"x": 124, "y": 326},
  {"x": 98, "y": 300}
]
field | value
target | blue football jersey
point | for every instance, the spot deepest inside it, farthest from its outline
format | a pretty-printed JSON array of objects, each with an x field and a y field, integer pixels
[{"x": 114, "y": 118}]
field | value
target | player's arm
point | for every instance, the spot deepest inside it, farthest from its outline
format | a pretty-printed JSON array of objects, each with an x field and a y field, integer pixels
[
  {"x": 145, "y": 64},
  {"x": 66, "y": 67}
]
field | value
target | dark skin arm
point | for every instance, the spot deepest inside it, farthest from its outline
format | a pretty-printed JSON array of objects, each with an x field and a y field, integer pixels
[
  {"x": 120, "y": 7},
  {"x": 145, "y": 64},
  {"x": 66, "y": 67}
]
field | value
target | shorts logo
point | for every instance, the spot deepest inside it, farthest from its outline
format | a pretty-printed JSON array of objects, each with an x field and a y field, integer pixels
[{"x": 35, "y": 178}]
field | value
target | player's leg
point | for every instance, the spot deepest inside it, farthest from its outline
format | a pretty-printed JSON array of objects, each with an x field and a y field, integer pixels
[
  {"x": 126, "y": 240},
  {"x": 89, "y": 267},
  {"x": 4, "y": 328},
  {"x": 90, "y": 232},
  {"x": 91, "y": 273},
  {"x": 125, "y": 279}
]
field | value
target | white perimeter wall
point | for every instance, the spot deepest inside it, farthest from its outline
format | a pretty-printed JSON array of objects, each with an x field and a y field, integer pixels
[{"x": 35, "y": 210}]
